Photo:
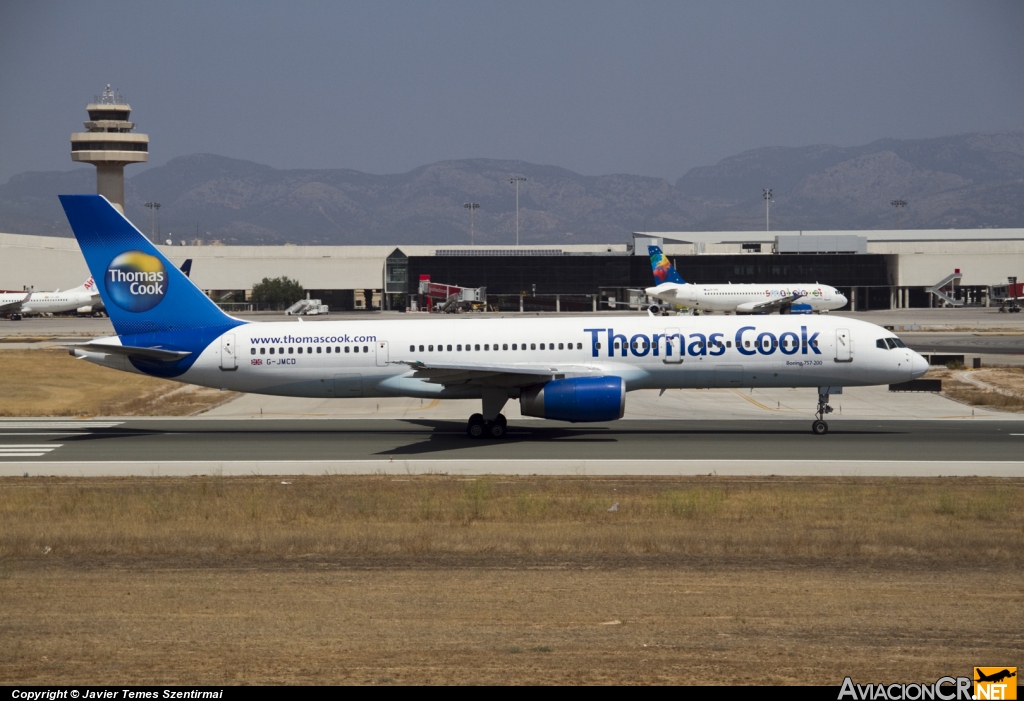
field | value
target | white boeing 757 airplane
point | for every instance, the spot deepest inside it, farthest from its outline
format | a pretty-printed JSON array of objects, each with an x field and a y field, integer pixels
[
  {"x": 17, "y": 304},
  {"x": 786, "y": 299},
  {"x": 566, "y": 368}
]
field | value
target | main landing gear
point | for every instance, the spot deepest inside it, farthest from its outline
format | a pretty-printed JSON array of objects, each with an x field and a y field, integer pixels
[
  {"x": 491, "y": 423},
  {"x": 819, "y": 427},
  {"x": 478, "y": 427}
]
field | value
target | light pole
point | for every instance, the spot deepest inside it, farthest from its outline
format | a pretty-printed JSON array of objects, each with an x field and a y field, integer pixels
[
  {"x": 899, "y": 205},
  {"x": 153, "y": 206},
  {"x": 471, "y": 206},
  {"x": 515, "y": 181},
  {"x": 767, "y": 202}
]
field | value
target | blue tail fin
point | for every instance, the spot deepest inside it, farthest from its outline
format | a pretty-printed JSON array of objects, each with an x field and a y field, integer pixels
[
  {"x": 662, "y": 267},
  {"x": 144, "y": 293}
]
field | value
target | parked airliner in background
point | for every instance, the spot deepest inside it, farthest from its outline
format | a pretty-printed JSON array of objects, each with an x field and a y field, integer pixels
[
  {"x": 569, "y": 368},
  {"x": 786, "y": 299},
  {"x": 18, "y": 304}
]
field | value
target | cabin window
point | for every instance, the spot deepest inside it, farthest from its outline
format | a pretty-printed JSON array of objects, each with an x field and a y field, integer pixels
[
  {"x": 598, "y": 345},
  {"x": 253, "y": 352},
  {"x": 263, "y": 351},
  {"x": 513, "y": 346},
  {"x": 337, "y": 349},
  {"x": 728, "y": 344},
  {"x": 309, "y": 349},
  {"x": 542, "y": 346},
  {"x": 271, "y": 351},
  {"x": 430, "y": 348},
  {"x": 616, "y": 345},
  {"x": 412, "y": 349},
  {"x": 458, "y": 347},
  {"x": 366, "y": 349},
  {"x": 291, "y": 351},
  {"x": 814, "y": 343},
  {"x": 559, "y": 346},
  {"x": 747, "y": 344},
  {"x": 300, "y": 350},
  {"x": 320, "y": 350},
  {"x": 355, "y": 349},
  {"x": 477, "y": 347},
  {"x": 421, "y": 348},
  {"x": 328, "y": 349},
  {"x": 504, "y": 346},
  {"x": 487, "y": 346},
  {"x": 346, "y": 349},
  {"x": 533, "y": 346},
  {"x": 449, "y": 346}
]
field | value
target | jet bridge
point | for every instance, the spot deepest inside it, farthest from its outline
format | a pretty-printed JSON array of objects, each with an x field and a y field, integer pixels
[{"x": 449, "y": 299}]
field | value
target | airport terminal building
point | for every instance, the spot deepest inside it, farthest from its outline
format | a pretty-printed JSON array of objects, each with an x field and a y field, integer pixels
[{"x": 874, "y": 269}]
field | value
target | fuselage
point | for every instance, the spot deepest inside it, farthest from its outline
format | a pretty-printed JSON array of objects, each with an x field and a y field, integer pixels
[
  {"x": 746, "y": 297},
  {"x": 50, "y": 302},
  {"x": 352, "y": 358}
]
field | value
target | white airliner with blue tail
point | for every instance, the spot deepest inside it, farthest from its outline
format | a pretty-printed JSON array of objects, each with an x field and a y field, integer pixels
[
  {"x": 742, "y": 298},
  {"x": 568, "y": 368}
]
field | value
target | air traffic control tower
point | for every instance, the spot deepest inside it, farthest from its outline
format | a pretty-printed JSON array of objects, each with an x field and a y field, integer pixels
[{"x": 109, "y": 144}]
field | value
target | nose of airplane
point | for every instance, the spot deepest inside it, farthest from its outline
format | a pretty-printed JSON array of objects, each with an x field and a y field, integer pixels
[
  {"x": 841, "y": 297},
  {"x": 918, "y": 365}
]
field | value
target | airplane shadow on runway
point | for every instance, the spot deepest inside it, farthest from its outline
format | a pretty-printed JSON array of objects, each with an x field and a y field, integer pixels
[
  {"x": 449, "y": 436},
  {"x": 425, "y": 436}
]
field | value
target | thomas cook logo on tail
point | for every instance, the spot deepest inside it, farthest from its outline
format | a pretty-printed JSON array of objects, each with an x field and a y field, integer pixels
[{"x": 136, "y": 281}]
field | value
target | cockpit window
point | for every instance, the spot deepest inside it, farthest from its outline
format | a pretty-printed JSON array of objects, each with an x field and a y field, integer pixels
[
  {"x": 898, "y": 342},
  {"x": 880, "y": 343},
  {"x": 891, "y": 342}
]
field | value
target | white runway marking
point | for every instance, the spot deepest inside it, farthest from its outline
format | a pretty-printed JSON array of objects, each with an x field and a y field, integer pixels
[
  {"x": 58, "y": 424},
  {"x": 578, "y": 468},
  {"x": 48, "y": 433},
  {"x": 27, "y": 450}
]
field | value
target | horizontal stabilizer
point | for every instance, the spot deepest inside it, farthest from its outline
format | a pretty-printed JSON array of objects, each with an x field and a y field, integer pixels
[{"x": 158, "y": 354}]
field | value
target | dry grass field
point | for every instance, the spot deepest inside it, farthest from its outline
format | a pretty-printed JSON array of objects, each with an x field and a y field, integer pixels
[
  {"x": 52, "y": 383},
  {"x": 507, "y": 580},
  {"x": 998, "y": 388}
]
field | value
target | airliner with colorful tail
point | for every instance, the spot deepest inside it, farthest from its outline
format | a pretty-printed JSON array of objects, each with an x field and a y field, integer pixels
[
  {"x": 19, "y": 304},
  {"x": 566, "y": 368},
  {"x": 750, "y": 298}
]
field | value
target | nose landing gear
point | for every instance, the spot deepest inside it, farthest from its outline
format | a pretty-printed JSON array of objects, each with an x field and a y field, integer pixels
[{"x": 819, "y": 427}]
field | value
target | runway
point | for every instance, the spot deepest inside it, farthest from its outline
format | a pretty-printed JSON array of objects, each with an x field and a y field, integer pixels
[{"x": 630, "y": 447}]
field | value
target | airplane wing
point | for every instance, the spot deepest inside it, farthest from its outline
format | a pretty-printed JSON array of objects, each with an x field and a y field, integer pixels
[
  {"x": 14, "y": 307},
  {"x": 507, "y": 375},
  {"x": 159, "y": 354},
  {"x": 781, "y": 305}
]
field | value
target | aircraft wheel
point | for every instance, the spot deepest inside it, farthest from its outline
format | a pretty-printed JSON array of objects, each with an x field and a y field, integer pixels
[
  {"x": 819, "y": 428},
  {"x": 495, "y": 429},
  {"x": 502, "y": 420},
  {"x": 475, "y": 428}
]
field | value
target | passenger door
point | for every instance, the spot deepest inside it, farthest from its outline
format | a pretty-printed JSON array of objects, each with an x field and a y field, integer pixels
[
  {"x": 844, "y": 346},
  {"x": 672, "y": 348},
  {"x": 227, "y": 352}
]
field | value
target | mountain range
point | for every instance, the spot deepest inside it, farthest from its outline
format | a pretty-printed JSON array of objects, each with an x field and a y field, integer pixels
[{"x": 965, "y": 181}]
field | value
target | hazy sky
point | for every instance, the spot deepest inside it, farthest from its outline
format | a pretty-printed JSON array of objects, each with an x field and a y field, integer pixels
[{"x": 650, "y": 88}]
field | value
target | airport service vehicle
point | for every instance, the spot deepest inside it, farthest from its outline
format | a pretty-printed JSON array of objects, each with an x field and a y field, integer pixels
[
  {"x": 793, "y": 299},
  {"x": 18, "y": 304},
  {"x": 569, "y": 368}
]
